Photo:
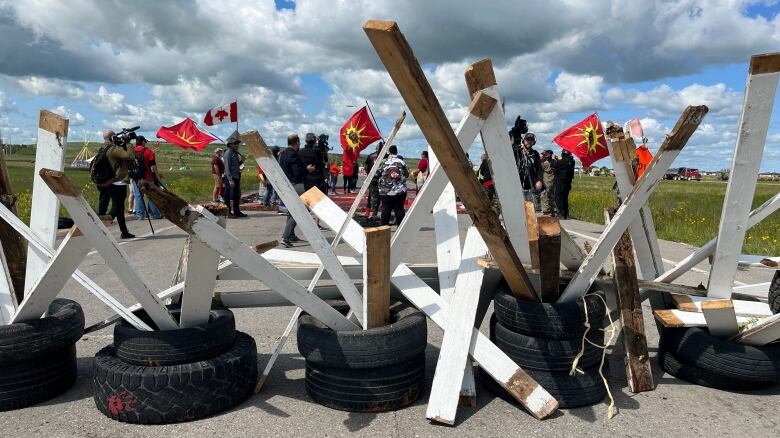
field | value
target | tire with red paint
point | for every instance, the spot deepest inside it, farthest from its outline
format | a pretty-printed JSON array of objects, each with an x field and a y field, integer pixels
[{"x": 171, "y": 394}]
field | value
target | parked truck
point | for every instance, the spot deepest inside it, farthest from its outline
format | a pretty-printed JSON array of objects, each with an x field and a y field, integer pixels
[{"x": 683, "y": 173}]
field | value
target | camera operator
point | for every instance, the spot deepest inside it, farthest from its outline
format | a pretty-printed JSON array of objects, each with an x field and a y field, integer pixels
[
  {"x": 115, "y": 189},
  {"x": 312, "y": 154},
  {"x": 529, "y": 165}
]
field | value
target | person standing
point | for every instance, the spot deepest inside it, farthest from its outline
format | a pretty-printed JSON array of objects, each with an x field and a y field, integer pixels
[
  {"x": 233, "y": 160},
  {"x": 313, "y": 156},
  {"x": 392, "y": 186},
  {"x": 147, "y": 160},
  {"x": 334, "y": 175},
  {"x": 548, "y": 180},
  {"x": 530, "y": 168},
  {"x": 271, "y": 197},
  {"x": 422, "y": 170},
  {"x": 115, "y": 189},
  {"x": 292, "y": 165},
  {"x": 564, "y": 174},
  {"x": 217, "y": 171},
  {"x": 485, "y": 178},
  {"x": 372, "y": 203}
]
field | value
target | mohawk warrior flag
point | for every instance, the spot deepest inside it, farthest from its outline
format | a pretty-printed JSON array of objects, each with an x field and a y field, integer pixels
[
  {"x": 356, "y": 135},
  {"x": 222, "y": 114},
  {"x": 585, "y": 140},
  {"x": 186, "y": 135}
]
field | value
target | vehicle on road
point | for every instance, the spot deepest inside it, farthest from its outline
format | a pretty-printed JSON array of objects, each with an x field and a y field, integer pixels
[{"x": 683, "y": 173}]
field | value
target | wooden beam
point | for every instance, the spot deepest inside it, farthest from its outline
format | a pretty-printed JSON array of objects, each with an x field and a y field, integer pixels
[
  {"x": 70, "y": 254},
  {"x": 495, "y": 362},
  {"x": 549, "y": 243},
  {"x": 376, "y": 278},
  {"x": 408, "y": 76},
  {"x": 745, "y": 164},
  {"x": 690, "y": 303},
  {"x": 637, "y": 360},
  {"x": 454, "y": 353},
  {"x": 670, "y": 149},
  {"x": 674, "y": 318},
  {"x": 533, "y": 233},
  {"x": 12, "y": 242},
  {"x": 200, "y": 278},
  {"x": 262, "y": 248},
  {"x": 721, "y": 318},
  {"x": 45, "y": 211},
  {"x": 761, "y": 332},
  {"x": 572, "y": 254}
]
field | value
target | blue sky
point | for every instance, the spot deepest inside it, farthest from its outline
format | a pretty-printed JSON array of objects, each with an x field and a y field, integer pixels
[{"x": 305, "y": 66}]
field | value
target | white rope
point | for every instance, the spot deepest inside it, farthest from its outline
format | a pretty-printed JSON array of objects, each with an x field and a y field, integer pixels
[{"x": 611, "y": 409}]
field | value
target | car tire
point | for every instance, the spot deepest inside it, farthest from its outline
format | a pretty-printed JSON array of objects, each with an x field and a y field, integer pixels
[
  {"x": 774, "y": 294},
  {"x": 172, "y": 394},
  {"x": 380, "y": 389},
  {"x": 698, "y": 376},
  {"x": 24, "y": 341},
  {"x": 405, "y": 338},
  {"x": 34, "y": 381},
  {"x": 174, "y": 347}
]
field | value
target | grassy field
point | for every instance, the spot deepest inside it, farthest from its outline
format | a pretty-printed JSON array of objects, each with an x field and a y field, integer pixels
[{"x": 684, "y": 211}]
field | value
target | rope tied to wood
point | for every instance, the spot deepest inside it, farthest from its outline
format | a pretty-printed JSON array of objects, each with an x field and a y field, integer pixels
[{"x": 611, "y": 409}]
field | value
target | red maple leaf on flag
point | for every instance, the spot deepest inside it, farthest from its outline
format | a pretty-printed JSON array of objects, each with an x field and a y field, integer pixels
[{"x": 221, "y": 114}]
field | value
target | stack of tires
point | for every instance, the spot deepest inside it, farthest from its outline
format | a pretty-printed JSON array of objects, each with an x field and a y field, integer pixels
[
  {"x": 158, "y": 377},
  {"x": 375, "y": 370},
  {"x": 774, "y": 293},
  {"x": 544, "y": 339},
  {"x": 38, "y": 358}
]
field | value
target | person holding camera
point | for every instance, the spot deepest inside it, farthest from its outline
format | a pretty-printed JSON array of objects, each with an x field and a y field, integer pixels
[
  {"x": 564, "y": 174},
  {"x": 114, "y": 189},
  {"x": 233, "y": 160},
  {"x": 548, "y": 180},
  {"x": 143, "y": 168},
  {"x": 529, "y": 165}
]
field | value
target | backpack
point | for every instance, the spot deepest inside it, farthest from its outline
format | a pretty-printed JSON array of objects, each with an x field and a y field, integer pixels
[
  {"x": 100, "y": 169},
  {"x": 136, "y": 170}
]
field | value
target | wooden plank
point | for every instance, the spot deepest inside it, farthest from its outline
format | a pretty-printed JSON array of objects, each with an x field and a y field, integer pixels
[
  {"x": 721, "y": 318},
  {"x": 760, "y": 213},
  {"x": 409, "y": 78},
  {"x": 297, "y": 209},
  {"x": 431, "y": 191},
  {"x": 44, "y": 215},
  {"x": 376, "y": 277},
  {"x": 690, "y": 303},
  {"x": 674, "y": 318},
  {"x": 200, "y": 278},
  {"x": 637, "y": 359},
  {"x": 44, "y": 248},
  {"x": 671, "y": 147},
  {"x": 494, "y": 361},
  {"x": 745, "y": 164},
  {"x": 549, "y": 243},
  {"x": 103, "y": 241},
  {"x": 533, "y": 233},
  {"x": 572, "y": 254},
  {"x": 12, "y": 242},
  {"x": 70, "y": 254},
  {"x": 761, "y": 332},
  {"x": 445, "y": 223},
  {"x": 448, "y": 379},
  {"x": 200, "y": 225},
  {"x": 7, "y": 296}
]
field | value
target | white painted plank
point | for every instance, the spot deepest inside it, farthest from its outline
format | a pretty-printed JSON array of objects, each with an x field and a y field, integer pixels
[
  {"x": 199, "y": 281},
  {"x": 629, "y": 209},
  {"x": 721, "y": 318},
  {"x": 572, "y": 255},
  {"x": 751, "y": 261},
  {"x": 751, "y": 136},
  {"x": 269, "y": 298},
  {"x": 44, "y": 214},
  {"x": 115, "y": 257},
  {"x": 69, "y": 255},
  {"x": 678, "y": 318},
  {"x": 690, "y": 303},
  {"x": 494, "y": 361},
  {"x": 762, "y": 332},
  {"x": 759, "y": 290},
  {"x": 448, "y": 379},
  {"x": 445, "y": 222},
  {"x": 79, "y": 276},
  {"x": 7, "y": 297},
  {"x": 287, "y": 256}
]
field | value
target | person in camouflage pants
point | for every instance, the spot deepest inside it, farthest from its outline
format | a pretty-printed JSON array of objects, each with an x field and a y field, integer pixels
[{"x": 548, "y": 179}]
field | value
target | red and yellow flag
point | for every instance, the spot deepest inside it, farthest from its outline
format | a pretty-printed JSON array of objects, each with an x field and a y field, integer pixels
[
  {"x": 185, "y": 135},
  {"x": 585, "y": 140},
  {"x": 356, "y": 135}
]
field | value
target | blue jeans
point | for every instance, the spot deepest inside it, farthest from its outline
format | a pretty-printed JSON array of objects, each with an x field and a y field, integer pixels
[
  {"x": 270, "y": 196},
  {"x": 140, "y": 213}
]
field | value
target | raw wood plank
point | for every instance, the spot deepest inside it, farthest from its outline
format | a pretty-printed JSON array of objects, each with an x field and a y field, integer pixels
[
  {"x": 494, "y": 361},
  {"x": 7, "y": 297},
  {"x": 690, "y": 303},
  {"x": 637, "y": 360},
  {"x": 751, "y": 137},
  {"x": 376, "y": 277},
  {"x": 673, "y": 318},
  {"x": 408, "y": 76},
  {"x": 454, "y": 353},
  {"x": 549, "y": 243},
  {"x": 760, "y": 333},
  {"x": 103, "y": 241},
  {"x": 670, "y": 149},
  {"x": 44, "y": 215},
  {"x": 533, "y": 233},
  {"x": 70, "y": 254},
  {"x": 12, "y": 243},
  {"x": 200, "y": 278},
  {"x": 297, "y": 209},
  {"x": 721, "y": 318}
]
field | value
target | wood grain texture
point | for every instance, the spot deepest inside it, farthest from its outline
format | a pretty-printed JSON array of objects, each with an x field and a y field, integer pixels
[
  {"x": 54, "y": 123},
  {"x": 480, "y": 75},
  {"x": 482, "y": 105},
  {"x": 376, "y": 282},
  {"x": 765, "y": 63},
  {"x": 13, "y": 244},
  {"x": 549, "y": 244},
  {"x": 58, "y": 182},
  {"x": 533, "y": 233}
]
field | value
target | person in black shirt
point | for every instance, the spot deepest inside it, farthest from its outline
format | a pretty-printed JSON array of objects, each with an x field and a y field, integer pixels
[
  {"x": 311, "y": 155},
  {"x": 564, "y": 174},
  {"x": 529, "y": 165},
  {"x": 295, "y": 171}
]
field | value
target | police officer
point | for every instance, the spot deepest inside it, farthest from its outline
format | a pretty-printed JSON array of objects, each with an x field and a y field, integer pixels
[{"x": 529, "y": 165}]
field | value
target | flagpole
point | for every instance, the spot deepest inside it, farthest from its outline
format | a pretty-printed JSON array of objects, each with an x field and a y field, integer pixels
[{"x": 374, "y": 119}]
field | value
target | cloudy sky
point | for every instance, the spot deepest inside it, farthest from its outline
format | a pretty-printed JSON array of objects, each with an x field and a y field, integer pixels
[{"x": 307, "y": 65}]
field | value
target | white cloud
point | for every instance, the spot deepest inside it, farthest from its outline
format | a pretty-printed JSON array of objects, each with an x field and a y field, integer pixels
[
  {"x": 5, "y": 103},
  {"x": 74, "y": 117},
  {"x": 663, "y": 101},
  {"x": 40, "y": 86},
  {"x": 108, "y": 102}
]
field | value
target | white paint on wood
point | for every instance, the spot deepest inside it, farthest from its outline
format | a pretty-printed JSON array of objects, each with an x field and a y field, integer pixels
[
  {"x": 45, "y": 208},
  {"x": 199, "y": 281},
  {"x": 572, "y": 254},
  {"x": 103, "y": 241},
  {"x": 7, "y": 297},
  {"x": 61, "y": 267},
  {"x": 494, "y": 361},
  {"x": 677, "y": 318},
  {"x": 759, "y": 290},
  {"x": 445, "y": 222},
  {"x": 753, "y": 126},
  {"x": 85, "y": 281},
  {"x": 721, "y": 318},
  {"x": 447, "y": 381},
  {"x": 762, "y": 332},
  {"x": 690, "y": 303}
]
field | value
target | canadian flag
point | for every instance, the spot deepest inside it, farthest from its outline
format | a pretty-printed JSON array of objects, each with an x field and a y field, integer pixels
[{"x": 222, "y": 114}]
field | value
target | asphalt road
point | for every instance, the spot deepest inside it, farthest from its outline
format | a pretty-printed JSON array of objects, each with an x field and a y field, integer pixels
[{"x": 674, "y": 408}]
